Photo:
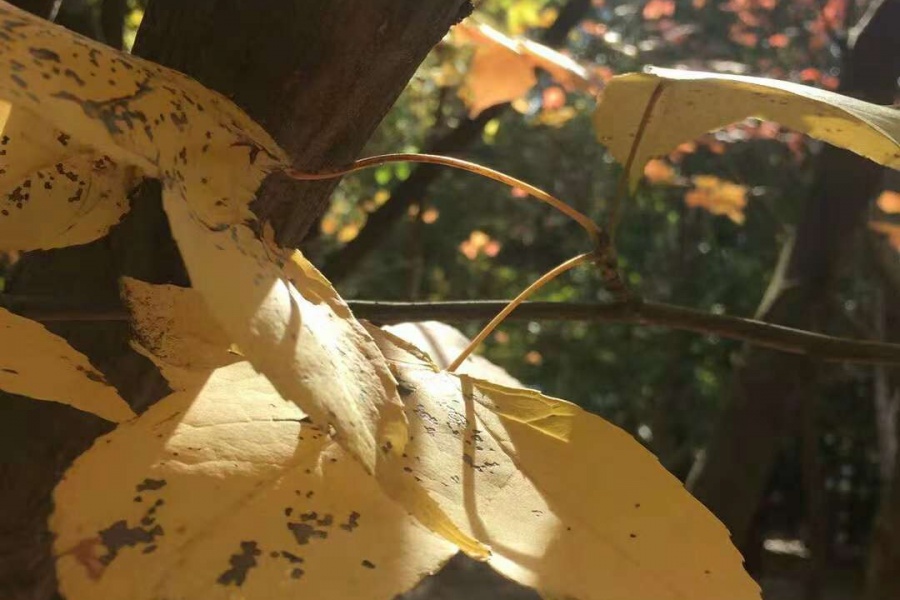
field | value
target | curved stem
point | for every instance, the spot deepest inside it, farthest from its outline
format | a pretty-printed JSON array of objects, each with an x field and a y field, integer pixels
[
  {"x": 524, "y": 295},
  {"x": 622, "y": 192},
  {"x": 597, "y": 236}
]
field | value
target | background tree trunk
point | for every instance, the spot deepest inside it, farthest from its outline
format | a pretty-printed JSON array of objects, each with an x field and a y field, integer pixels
[
  {"x": 319, "y": 76},
  {"x": 768, "y": 386}
]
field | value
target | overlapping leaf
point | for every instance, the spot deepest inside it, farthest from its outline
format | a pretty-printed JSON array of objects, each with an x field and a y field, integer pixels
[
  {"x": 174, "y": 326},
  {"x": 687, "y": 104},
  {"x": 568, "y": 503},
  {"x": 53, "y": 192},
  {"x": 211, "y": 158},
  {"x": 224, "y": 490},
  {"x": 42, "y": 365},
  {"x": 503, "y": 68}
]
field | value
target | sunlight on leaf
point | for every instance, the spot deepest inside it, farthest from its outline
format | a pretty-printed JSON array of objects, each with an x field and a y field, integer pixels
[
  {"x": 223, "y": 491},
  {"x": 690, "y": 103},
  {"x": 211, "y": 159},
  {"x": 39, "y": 364},
  {"x": 568, "y": 503}
]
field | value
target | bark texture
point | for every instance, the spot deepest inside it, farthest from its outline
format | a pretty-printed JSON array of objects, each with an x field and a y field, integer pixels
[
  {"x": 768, "y": 387},
  {"x": 319, "y": 76}
]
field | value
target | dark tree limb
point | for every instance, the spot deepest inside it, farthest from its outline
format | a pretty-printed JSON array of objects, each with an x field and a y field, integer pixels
[
  {"x": 112, "y": 22},
  {"x": 759, "y": 333},
  {"x": 42, "y": 8},
  {"x": 320, "y": 79}
]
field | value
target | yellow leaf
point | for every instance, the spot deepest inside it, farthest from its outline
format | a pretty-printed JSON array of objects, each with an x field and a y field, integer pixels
[
  {"x": 211, "y": 158},
  {"x": 718, "y": 196},
  {"x": 53, "y": 192},
  {"x": 568, "y": 503},
  {"x": 443, "y": 343},
  {"x": 137, "y": 112},
  {"x": 42, "y": 365},
  {"x": 502, "y": 69},
  {"x": 292, "y": 325},
  {"x": 690, "y": 103},
  {"x": 225, "y": 491},
  {"x": 174, "y": 326},
  {"x": 889, "y": 201}
]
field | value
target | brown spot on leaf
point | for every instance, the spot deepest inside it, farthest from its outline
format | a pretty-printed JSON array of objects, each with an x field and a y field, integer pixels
[
  {"x": 240, "y": 565},
  {"x": 304, "y": 532},
  {"x": 151, "y": 484}
]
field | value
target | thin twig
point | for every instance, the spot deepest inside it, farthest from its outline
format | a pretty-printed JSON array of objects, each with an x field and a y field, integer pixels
[
  {"x": 517, "y": 301},
  {"x": 597, "y": 236},
  {"x": 615, "y": 213},
  {"x": 759, "y": 333}
]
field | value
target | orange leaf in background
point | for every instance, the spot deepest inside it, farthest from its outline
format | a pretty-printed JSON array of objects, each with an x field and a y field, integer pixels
[
  {"x": 553, "y": 97},
  {"x": 830, "y": 82},
  {"x": 891, "y": 230},
  {"x": 810, "y": 74},
  {"x": 889, "y": 201},
  {"x": 718, "y": 196},
  {"x": 698, "y": 4},
  {"x": 502, "y": 69},
  {"x": 778, "y": 40},
  {"x": 834, "y": 13},
  {"x": 741, "y": 36},
  {"x": 534, "y": 358},
  {"x": 479, "y": 242},
  {"x": 659, "y": 171},
  {"x": 594, "y": 28},
  {"x": 430, "y": 216},
  {"x": 657, "y": 9}
]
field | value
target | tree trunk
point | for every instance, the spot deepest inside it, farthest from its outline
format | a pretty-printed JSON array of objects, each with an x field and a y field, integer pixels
[
  {"x": 882, "y": 581},
  {"x": 768, "y": 386},
  {"x": 319, "y": 76}
]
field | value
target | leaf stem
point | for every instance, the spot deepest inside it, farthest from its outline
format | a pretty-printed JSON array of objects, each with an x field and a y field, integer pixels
[
  {"x": 524, "y": 295},
  {"x": 615, "y": 213},
  {"x": 599, "y": 238}
]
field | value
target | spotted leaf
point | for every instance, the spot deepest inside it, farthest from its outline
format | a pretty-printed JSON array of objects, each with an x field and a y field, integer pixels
[
  {"x": 54, "y": 192},
  {"x": 211, "y": 159},
  {"x": 568, "y": 503},
  {"x": 225, "y": 490}
]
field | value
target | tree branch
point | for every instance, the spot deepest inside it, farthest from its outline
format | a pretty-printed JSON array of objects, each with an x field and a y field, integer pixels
[{"x": 759, "y": 333}]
